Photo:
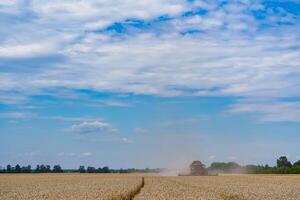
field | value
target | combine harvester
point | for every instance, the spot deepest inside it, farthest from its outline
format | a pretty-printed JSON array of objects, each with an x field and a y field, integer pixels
[{"x": 197, "y": 168}]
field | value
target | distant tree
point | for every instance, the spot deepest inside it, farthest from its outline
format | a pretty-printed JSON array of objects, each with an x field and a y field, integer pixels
[
  {"x": 267, "y": 166},
  {"x": 230, "y": 167},
  {"x": 38, "y": 169},
  {"x": 26, "y": 169},
  {"x": 8, "y": 168},
  {"x": 23, "y": 169},
  {"x": 91, "y": 170},
  {"x": 105, "y": 169},
  {"x": 233, "y": 165},
  {"x": 282, "y": 161},
  {"x": 48, "y": 169},
  {"x": 99, "y": 170},
  {"x": 251, "y": 169},
  {"x": 43, "y": 168},
  {"x": 57, "y": 169},
  {"x": 297, "y": 163},
  {"x": 29, "y": 168},
  {"x": 218, "y": 166},
  {"x": 81, "y": 169},
  {"x": 17, "y": 169}
]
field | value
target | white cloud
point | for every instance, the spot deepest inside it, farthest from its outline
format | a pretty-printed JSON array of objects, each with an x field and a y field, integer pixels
[
  {"x": 91, "y": 127},
  {"x": 9, "y": 98},
  {"x": 230, "y": 56},
  {"x": 268, "y": 111},
  {"x": 113, "y": 103},
  {"x": 162, "y": 66},
  {"x": 106, "y": 10},
  {"x": 66, "y": 154},
  {"x": 175, "y": 65},
  {"x": 140, "y": 130},
  {"x": 86, "y": 154},
  {"x": 25, "y": 50},
  {"x": 30, "y": 154},
  {"x": 16, "y": 115},
  {"x": 62, "y": 118},
  {"x": 74, "y": 154},
  {"x": 126, "y": 140},
  {"x": 40, "y": 26},
  {"x": 211, "y": 157},
  {"x": 232, "y": 158},
  {"x": 9, "y": 6},
  {"x": 32, "y": 115}
]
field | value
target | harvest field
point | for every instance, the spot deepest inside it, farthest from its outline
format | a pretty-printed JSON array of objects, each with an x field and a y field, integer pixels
[
  {"x": 68, "y": 186},
  {"x": 134, "y": 186},
  {"x": 222, "y": 187}
]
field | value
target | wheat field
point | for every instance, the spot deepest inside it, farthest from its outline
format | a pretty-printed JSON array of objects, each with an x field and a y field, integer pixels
[
  {"x": 240, "y": 187},
  {"x": 68, "y": 187},
  {"x": 147, "y": 187}
]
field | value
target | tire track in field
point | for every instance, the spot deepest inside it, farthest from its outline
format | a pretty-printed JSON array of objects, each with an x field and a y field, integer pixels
[
  {"x": 132, "y": 194},
  {"x": 139, "y": 189}
]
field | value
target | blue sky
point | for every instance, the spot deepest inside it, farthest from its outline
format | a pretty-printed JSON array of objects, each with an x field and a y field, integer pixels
[{"x": 149, "y": 83}]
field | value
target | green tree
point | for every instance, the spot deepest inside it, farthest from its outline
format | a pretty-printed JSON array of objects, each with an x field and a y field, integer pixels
[
  {"x": 57, "y": 169},
  {"x": 48, "y": 168},
  {"x": 18, "y": 168},
  {"x": 105, "y": 169},
  {"x": 38, "y": 169},
  {"x": 81, "y": 169},
  {"x": 282, "y": 161},
  {"x": 229, "y": 167},
  {"x": 43, "y": 168},
  {"x": 28, "y": 168},
  {"x": 91, "y": 170},
  {"x": 8, "y": 168}
]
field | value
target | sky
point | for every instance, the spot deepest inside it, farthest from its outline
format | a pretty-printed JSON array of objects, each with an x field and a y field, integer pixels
[{"x": 157, "y": 83}]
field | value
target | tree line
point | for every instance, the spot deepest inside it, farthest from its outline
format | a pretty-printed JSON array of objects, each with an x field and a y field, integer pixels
[
  {"x": 27, "y": 169},
  {"x": 106, "y": 169},
  {"x": 82, "y": 169},
  {"x": 283, "y": 166}
]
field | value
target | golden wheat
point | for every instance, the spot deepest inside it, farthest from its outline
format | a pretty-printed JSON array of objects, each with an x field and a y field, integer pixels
[
  {"x": 222, "y": 187},
  {"x": 125, "y": 187},
  {"x": 164, "y": 188},
  {"x": 68, "y": 186}
]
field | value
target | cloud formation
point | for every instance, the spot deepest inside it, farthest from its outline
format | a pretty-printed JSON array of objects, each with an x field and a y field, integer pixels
[
  {"x": 243, "y": 49},
  {"x": 88, "y": 127},
  {"x": 270, "y": 110},
  {"x": 86, "y": 154}
]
